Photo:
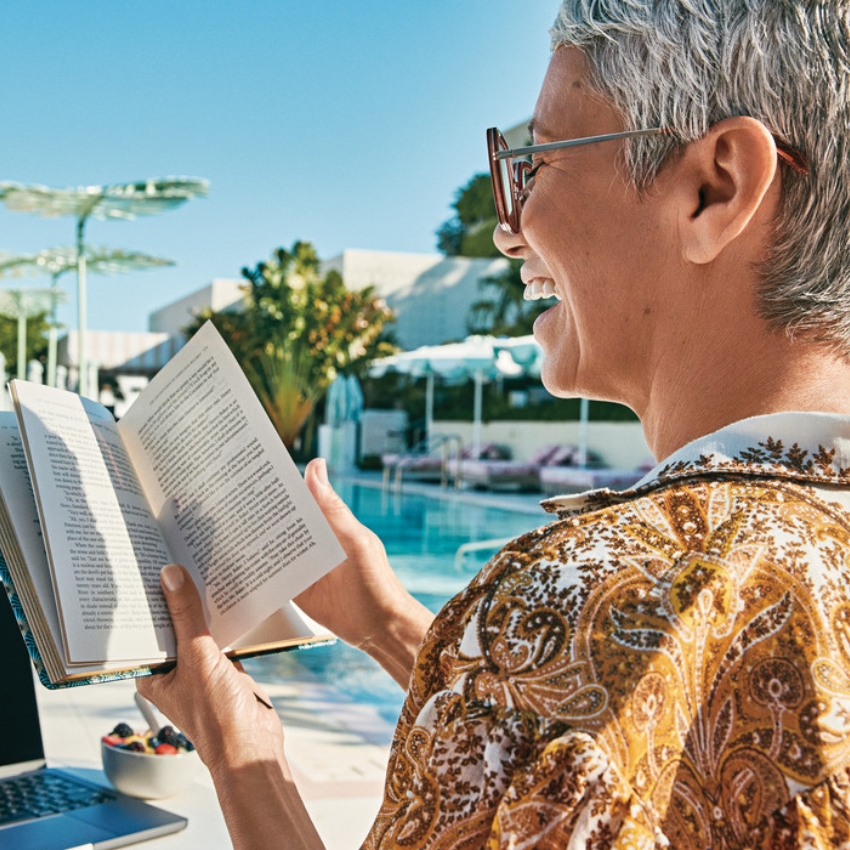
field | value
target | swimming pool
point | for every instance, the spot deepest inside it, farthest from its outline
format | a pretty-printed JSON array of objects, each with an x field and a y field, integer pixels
[{"x": 422, "y": 535}]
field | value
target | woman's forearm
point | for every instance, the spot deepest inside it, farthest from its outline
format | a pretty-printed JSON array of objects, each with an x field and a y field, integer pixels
[
  {"x": 260, "y": 802},
  {"x": 234, "y": 727}
]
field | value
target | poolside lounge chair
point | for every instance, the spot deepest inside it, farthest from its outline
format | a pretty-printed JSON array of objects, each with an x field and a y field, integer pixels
[
  {"x": 421, "y": 466},
  {"x": 437, "y": 464},
  {"x": 561, "y": 480},
  {"x": 513, "y": 474}
]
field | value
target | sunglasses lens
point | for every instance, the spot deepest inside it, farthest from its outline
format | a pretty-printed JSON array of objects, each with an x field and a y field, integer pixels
[
  {"x": 501, "y": 172},
  {"x": 506, "y": 181}
]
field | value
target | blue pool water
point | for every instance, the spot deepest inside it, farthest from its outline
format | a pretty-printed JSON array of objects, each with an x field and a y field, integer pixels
[{"x": 422, "y": 535}]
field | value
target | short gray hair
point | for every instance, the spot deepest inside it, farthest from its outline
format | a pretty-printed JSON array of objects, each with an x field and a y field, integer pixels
[{"x": 687, "y": 64}]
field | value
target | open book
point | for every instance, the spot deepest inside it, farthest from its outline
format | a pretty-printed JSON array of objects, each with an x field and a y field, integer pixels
[{"x": 194, "y": 473}]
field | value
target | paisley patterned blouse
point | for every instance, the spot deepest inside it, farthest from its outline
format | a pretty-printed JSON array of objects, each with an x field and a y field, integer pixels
[{"x": 665, "y": 667}]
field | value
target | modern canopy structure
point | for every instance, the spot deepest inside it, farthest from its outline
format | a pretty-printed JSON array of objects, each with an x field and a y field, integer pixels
[
  {"x": 57, "y": 261},
  {"x": 117, "y": 201},
  {"x": 22, "y": 304}
]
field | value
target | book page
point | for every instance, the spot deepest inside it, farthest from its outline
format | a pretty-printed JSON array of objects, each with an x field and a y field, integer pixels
[
  {"x": 103, "y": 545},
  {"x": 227, "y": 495},
  {"x": 19, "y": 505}
]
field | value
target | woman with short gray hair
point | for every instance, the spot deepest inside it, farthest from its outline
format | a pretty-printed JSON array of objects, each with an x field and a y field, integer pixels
[{"x": 667, "y": 666}]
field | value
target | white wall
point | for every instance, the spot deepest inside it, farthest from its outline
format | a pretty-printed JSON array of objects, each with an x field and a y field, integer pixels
[
  {"x": 620, "y": 444},
  {"x": 430, "y": 293},
  {"x": 221, "y": 294}
]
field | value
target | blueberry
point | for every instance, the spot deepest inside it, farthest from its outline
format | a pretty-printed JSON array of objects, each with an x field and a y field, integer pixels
[{"x": 168, "y": 735}]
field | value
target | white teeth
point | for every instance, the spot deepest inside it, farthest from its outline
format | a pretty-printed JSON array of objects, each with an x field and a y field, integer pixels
[{"x": 537, "y": 289}]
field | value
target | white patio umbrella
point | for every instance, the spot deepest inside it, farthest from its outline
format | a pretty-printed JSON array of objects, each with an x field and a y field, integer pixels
[
  {"x": 476, "y": 357},
  {"x": 57, "y": 261},
  {"x": 118, "y": 201},
  {"x": 482, "y": 358},
  {"x": 524, "y": 351}
]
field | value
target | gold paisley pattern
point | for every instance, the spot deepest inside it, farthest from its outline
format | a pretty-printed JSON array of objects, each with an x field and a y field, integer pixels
[{"x": 667, "y": 668}]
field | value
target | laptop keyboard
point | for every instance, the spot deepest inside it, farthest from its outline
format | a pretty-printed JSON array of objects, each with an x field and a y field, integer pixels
[{"x": 39, "y": 794}]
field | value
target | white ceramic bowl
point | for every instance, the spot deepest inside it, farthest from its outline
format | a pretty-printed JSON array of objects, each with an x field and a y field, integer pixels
[{"x": 146, "y": 775}]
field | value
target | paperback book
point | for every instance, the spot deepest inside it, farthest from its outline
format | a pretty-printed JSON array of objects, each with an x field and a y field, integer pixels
[{"x": 194, "y": 473}]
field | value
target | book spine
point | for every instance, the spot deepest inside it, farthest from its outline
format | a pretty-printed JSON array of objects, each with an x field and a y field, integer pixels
[
  {"x": 32, "y": 648},
  {"x": 23, "y": 624}
]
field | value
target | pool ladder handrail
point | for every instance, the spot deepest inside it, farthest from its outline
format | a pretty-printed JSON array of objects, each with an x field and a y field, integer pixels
[
  {"x": 424, "y": 449},
  {"x": 477, "y": 545}
]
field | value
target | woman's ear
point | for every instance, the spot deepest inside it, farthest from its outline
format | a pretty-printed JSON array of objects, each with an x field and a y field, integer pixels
[{"x": 728, "y": 172}]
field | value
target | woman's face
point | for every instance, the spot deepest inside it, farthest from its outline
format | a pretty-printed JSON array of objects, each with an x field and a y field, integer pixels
[{"x": 602, "y": 246}]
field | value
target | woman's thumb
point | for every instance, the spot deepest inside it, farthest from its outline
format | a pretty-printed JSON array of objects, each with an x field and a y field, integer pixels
[
  {"x": 343, "y": 523},
  {"x": 184, "y": 603}
]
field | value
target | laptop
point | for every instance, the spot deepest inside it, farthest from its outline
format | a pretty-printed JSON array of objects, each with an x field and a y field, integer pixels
[{"x": 92, "y": 816}]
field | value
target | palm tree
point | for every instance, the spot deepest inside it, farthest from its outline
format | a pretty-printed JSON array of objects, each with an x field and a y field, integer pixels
[{"x": 298, "y": 330}]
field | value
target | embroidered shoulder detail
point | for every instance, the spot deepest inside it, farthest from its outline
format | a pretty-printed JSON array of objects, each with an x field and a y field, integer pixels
[{"x": 770, "y": 458}]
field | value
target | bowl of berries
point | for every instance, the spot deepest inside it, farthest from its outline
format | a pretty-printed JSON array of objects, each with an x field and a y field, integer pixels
[{"x": 150, "y": 764}]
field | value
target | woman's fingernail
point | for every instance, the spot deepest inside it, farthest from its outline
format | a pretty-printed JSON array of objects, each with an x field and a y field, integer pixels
[
  {"x": 171, "y": 577},
  {"x": 322, "y": 471}
]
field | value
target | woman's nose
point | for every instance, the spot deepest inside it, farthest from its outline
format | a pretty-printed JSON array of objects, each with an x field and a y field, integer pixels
[{"x": 510, "y": 244}]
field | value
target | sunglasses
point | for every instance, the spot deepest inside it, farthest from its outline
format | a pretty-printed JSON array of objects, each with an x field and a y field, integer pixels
[{"x": 511, "y": 174}]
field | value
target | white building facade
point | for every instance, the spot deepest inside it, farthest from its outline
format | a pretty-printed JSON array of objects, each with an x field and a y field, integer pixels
[{"x": 430, "y": 294}]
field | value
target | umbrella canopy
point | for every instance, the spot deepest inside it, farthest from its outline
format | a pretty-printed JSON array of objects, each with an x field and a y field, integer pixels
[
  {"x": 477, "y": 357},
  {"x": 116, "y": 201},
  {"x": 57, "y": 261},
  {"x": 523, "y": 352},
  {"x": 120, "y": 200},
  {"x": 454, "y": 361},
  {"x": 21, "y": 304},
  {"x": 25, "y": 302}
]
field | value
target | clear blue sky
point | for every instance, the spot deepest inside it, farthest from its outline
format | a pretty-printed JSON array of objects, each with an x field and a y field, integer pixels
[{"x": 347, "y": 124}]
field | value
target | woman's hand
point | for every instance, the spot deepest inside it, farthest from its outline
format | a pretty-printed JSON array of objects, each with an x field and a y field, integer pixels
[
  {"x": 211, "y": 699},
  {"x": 362, "y": 601},
  {"x": 234, "y": 727}
]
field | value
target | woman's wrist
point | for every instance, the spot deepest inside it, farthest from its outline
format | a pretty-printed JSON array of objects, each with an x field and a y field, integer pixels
[{"x": 396, "y": 646}]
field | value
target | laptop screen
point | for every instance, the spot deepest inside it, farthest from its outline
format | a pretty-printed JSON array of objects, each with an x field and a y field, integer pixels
[{"x": 20, "y": 738}]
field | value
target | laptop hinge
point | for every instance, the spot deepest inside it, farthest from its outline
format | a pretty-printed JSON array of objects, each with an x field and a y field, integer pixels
[{"x": 21, "y": 767}]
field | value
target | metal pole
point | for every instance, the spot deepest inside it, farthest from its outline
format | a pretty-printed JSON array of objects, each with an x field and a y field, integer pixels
[
  {"x": 53, "y": 331},
  {"x": 429, "y": 405},
  {"x": 82, "y": 383},
  {"x": 582, "y": 432},
  {"x": 476, "y": 422},
  {"x": 22, "y": 339}
]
